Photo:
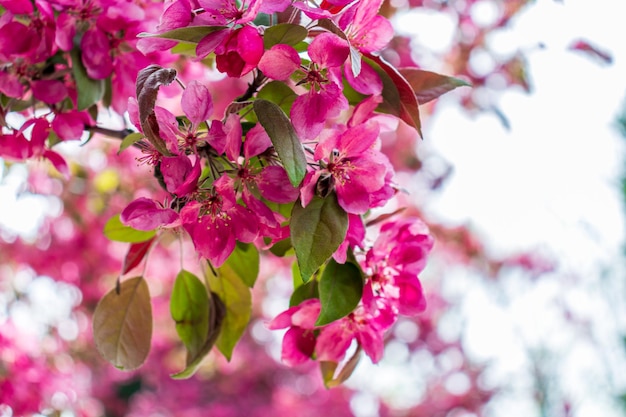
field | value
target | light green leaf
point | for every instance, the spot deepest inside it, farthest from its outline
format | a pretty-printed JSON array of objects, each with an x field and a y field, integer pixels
[
  {"x": 284, "y": 33},
  {"x": 115, "y": 230},
  {"x": 235, "y": 295},
  {"x": 189, "y": 307},
  {"x": 341, "y": 289},
  {"x": 122, "y": 324},
  {"x": 217, "y": 311},
  {"x": 279, "y": 93},
  {"x": 284, "y": 138},
  {"x": 317, "y": 230},
  {"x": 89, "y": 91},
  {"x": 130, "y": 140},
  {"x": 244, "y": 261}
]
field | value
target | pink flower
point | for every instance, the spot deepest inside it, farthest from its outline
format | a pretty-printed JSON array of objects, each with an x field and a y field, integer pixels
[
  {"x": 325, "y": 98},
  {"x": 216, "y": 222},
  {"x": 365, "y": 28},
  {"x": 299, "y": 340},
  {"x": 397, "y": 257},
  {"x": 366, "y": 328},
  {"x": 240, "y": 52},
  {"x": 351, "y": 166}
]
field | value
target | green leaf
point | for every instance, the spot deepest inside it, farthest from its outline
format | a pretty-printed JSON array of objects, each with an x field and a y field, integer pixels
[
  {"x": 279, "y": 93},
  {"x": 130, "y": 140},
  {"x": 281, "y": 247},
  {"x": 189, "y": 34},
  {"x": 122, "y": 324},
  {"x": 285, "y": 33},
  {"x": 398, "y": 96},
  {"x": 430, "y": 85},
  {"x": 115, "y": 230},
  {"x": 284, "y": 138},
  {"x": 341, "y": 289},
  {"x": 217, "y": 312},
  {"x": 317, "y": 230},
  {"x": 235, "y": 295},
  {"x": 88, "y": 91},
  {"x": 244, "y": 261},
  {"x": 304, "y": 292},
  {"x": 189, "y": 307}
]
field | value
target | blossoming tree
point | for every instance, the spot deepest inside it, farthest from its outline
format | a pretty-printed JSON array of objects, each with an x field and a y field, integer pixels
[{"x": 261, "y": 141}]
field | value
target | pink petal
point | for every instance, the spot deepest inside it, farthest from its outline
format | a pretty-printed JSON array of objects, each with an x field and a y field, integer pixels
[
  {"x": 68, "y": 126},
  {"x": 196, "y": 102},
  {"x": 257, "y": 141},
  {"x": 298, "y": 346},
  {"x": 144, "y": 214},
  {"x": 10, "y": 85},
  {"x": 274, "y": 185},
  {"x": 279, "y": 62},
  {"x": 333, "y": 341},
  {"x": 58, "y": 162},
  {"x": 368, "y": 81},
  {"x": 211, "y": 42},
  {"x": 96, "y": 54},
  {"x": 329, "y": 50}
]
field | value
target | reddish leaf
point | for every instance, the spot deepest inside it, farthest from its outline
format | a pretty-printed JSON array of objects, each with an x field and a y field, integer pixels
[
  {"x": 135, "y": 255},
  {"x": 591, "y": 50},
  {"x": 398, "y": 95},
  {"x": 430, "y": 85},
  {"x": 149, "y": 80}
]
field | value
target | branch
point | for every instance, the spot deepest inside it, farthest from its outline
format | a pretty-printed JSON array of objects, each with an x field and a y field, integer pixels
[{"x": 116, "y": 134}]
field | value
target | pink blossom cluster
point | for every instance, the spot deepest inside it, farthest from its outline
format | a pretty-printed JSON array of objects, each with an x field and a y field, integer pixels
[
  {"x": 59, "y": 61},
  {"x": 392, "y": 288},
  {"x": 229, "y": 181}
]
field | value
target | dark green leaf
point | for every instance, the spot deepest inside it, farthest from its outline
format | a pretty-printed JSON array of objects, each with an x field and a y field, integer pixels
[
  {"x": 317, "y": 230},
  {"x": 341, "y": 288},
  {"x": 88, "y": 91},
  {"x": 284, "y": 138},
  {"x": 280, "y": 248},
  {"x": 398, "y": 95},
  {"x": 304, "y": 292},
  {"x": 430, "y": 85},
  {"x": 244, "y": 261},
  {"x": 129, "y": 140},
  {"x": 189, "y": 34},
  {"x": 189, "y": 307},
  {"x": 236, "y": 297},
  {"x": 115, "y": 230},
  {"x": 285, "y": 33},
  {"x": 122, "y": 324},
  {"x": 217, "y": 311}
]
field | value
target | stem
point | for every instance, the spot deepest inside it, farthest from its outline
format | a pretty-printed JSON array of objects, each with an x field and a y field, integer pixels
[
  {"x": 258, "y": 81},
  {"x": 116, "y": 134}
]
